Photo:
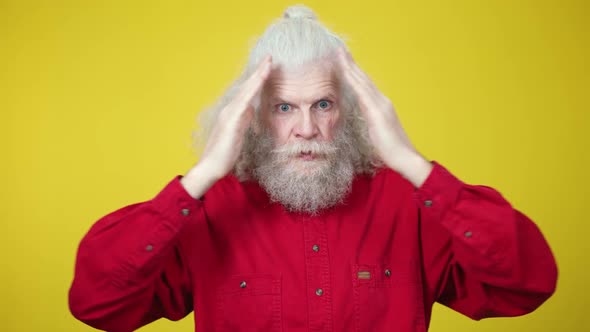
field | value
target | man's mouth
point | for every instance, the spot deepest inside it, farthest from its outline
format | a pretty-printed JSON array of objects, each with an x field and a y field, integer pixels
[{"x": 306, "y": 155}]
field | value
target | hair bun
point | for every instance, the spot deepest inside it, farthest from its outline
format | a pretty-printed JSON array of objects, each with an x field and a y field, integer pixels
[{"x": 299, "y": 11}]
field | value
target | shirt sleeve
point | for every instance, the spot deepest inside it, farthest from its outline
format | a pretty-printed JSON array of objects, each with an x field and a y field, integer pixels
[
  {"x": 489, "y": 258},
  {"x": 130, "y": 268}
]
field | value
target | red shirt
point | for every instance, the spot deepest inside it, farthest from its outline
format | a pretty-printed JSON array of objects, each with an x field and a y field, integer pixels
[{"x": 378, "y": 262}]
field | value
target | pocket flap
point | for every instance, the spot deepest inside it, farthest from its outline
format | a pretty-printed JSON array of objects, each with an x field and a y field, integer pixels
[{"x": 373, "y": 275}]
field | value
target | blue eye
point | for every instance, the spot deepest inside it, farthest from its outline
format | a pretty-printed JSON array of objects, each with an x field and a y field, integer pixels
[
  {"x": 284, "y": 107},
  {"x": 324, "y": 104}
]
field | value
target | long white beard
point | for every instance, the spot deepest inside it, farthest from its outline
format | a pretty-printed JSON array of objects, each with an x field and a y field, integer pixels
[{"x": 300, "y": 185}]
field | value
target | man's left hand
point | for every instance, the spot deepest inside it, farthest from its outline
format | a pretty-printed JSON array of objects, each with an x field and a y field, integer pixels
[{"x": 389, "y": 139}]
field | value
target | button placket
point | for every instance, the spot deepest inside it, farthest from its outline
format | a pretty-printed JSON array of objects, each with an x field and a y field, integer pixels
[{"x": 317, "y": 274}]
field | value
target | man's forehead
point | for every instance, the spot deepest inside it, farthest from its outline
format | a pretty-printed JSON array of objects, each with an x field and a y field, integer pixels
[{"x": 316, "y": 78}]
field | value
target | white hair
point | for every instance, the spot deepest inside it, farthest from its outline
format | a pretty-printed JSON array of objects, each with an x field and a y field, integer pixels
[{"x": 293, "y": 40}]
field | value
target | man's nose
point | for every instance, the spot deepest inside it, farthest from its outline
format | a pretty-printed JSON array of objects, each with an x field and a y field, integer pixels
[{"x": 306, "y": 126}]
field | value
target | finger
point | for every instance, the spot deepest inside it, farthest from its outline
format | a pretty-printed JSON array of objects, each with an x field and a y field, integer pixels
[
  {"x": 236, "y": 108},
  {"x": 352, "y": 72},
  {"x": 347, "y": 56},
  {"x": 361, "y": 92},
  {"x": 254, "y": 83},
  {"x": 362, "y": 88},
  {"x": 358, "y": 74}
]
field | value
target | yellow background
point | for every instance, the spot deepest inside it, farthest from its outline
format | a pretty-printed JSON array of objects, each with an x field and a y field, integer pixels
[{"x": 98, "y": 100}]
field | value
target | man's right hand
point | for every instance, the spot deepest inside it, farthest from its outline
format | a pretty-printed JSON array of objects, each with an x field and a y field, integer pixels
[{"x": 227, "y": 136}]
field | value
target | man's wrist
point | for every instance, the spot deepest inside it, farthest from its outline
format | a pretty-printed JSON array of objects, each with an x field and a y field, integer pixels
[
  {"x": 199, "y": 179},
  {"x": 413, "y": 167}
]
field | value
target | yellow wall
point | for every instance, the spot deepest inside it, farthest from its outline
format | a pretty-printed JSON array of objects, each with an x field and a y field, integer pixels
[{"x": 98, "y": 101}]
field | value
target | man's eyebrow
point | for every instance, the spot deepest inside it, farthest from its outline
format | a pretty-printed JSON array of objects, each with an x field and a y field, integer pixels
[
  {"x": 283, "y": 99},
  {"x": 329, "y": 94}
]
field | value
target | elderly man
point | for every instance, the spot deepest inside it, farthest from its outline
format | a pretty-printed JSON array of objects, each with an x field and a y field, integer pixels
[{"x": 310, "y": 210}]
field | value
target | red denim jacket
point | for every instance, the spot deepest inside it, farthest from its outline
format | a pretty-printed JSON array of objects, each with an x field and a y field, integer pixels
[{"x": 377, "y": 262}]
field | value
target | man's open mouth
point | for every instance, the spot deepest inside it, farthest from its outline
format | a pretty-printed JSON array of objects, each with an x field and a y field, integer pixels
[{"x": 306, "y": 155}]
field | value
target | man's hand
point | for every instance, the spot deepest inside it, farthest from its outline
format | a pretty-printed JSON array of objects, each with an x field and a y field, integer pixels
[
  {"x": 227, "y": 136},
  {"x": 385, "y": 130}
]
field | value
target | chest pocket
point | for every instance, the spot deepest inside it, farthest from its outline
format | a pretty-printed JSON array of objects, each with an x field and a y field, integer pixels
[
  {"x": 386, "y": 300},
  {"x": 249, "y": 303},
  {"x": 371, "y": 286}
]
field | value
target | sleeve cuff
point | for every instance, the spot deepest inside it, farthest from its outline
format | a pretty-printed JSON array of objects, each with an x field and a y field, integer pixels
[
  {"x": 439, "y": 191},
  {"x": 174, "y": 201},
  {"x": 168, "y": 212}
]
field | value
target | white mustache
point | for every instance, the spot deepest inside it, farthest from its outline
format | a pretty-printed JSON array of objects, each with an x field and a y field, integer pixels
[{"x": 312, "y": 147}]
